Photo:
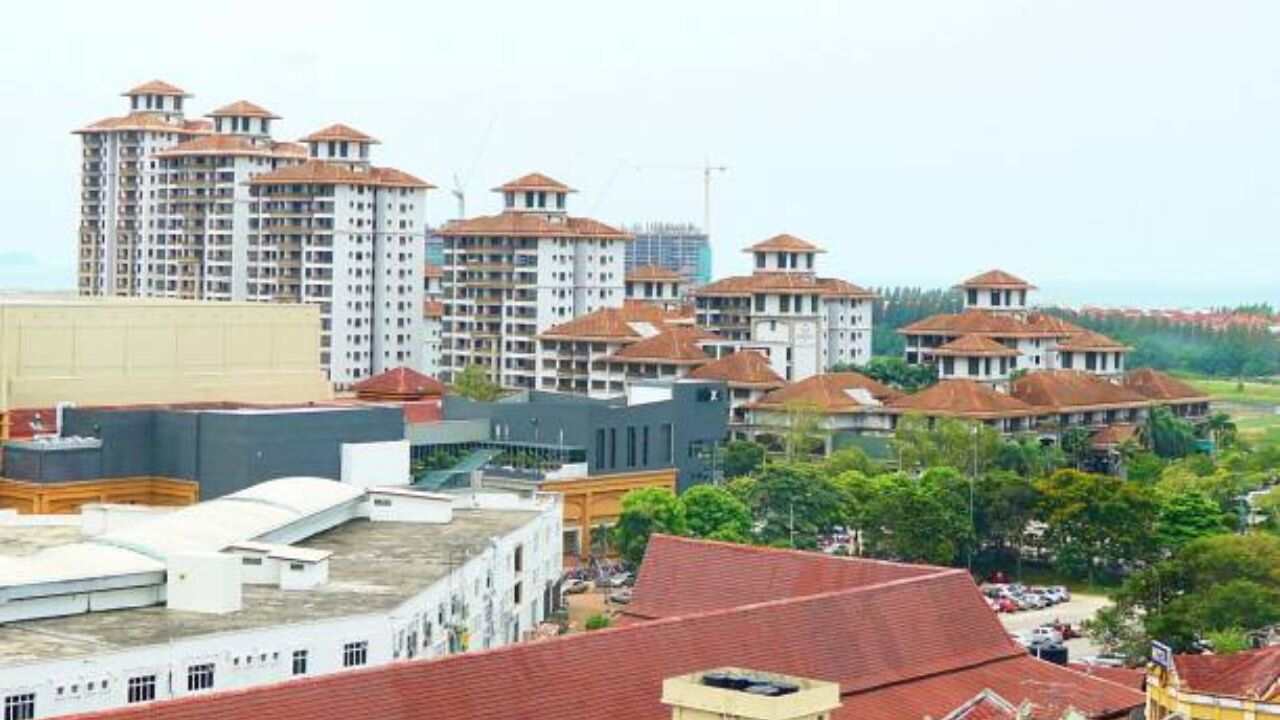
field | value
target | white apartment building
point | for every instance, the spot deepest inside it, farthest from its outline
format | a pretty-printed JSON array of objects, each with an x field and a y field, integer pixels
[
  {"x": 654, "y": 284},
  {"x": 292, "y": 577},
  {"x": 803, "y": 324},
  {"x": 218, "y": 210},
  {"x": 200, "y": 246},
  {"x": 998, "y": 332},
  {"x": 341, "y": 233},
  {"x": 118, "y": 186},
  {"x": 432, "y": 329},
  {"x": 511, "y": 276}
]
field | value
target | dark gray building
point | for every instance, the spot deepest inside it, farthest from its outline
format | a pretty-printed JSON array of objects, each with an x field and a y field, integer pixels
[
  {"x": 679, "y": 425},
  {"x": 224, "y": 450}
]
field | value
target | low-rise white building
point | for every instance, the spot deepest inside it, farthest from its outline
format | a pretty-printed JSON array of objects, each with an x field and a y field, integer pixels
[
  {"x": 655, "y": 284},
  {"x": 803, "y": 323},
  {"x": 292, "y": 577}
]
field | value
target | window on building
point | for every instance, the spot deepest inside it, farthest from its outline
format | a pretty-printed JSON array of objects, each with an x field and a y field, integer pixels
[
  {"x": 200, "y": 677},
  {"x": 760, "y": 260},
  {"x": 613, "y": 447},
  {"x": 509, "y": 199},
  {"x": 517, "y": 560},
  {"x": 542, "y": 199},
  {"x": 948, "y": 366},
  {"x": 813, "y": 303},
  {"x": 528, "y": 198},
  {"x": 631, "y": 447},
  {"x": 973, "y": 367},
  {"x": 668, "y": 442},
  {"x": 1066, "y": 360},
  {"x": 559, "y": 201},
  {"x": 141, "y": 688},
  {"x": 1090, "y": 361},
  {"x": 299, "y": 662},
  {"x": 784, "y": 303},
  {"x": 20, "y": 707},
  {"x": 644, "y": 447},
  {"x": 995, "y": 298},
  {"x": 600, "y": 448},
  {"x": 355, "y": 654},
  {"x": 759, "y": 303},
  {"x": 516, "y": 594}
]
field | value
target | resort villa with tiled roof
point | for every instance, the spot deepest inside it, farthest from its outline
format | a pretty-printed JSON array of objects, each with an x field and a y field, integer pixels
[
  {"x": 804, "y": 324},
  {"x": 998, "y": 333},
  {"x": 1244, "y": 685},
  {"x": 217, "y": 209},
  {"x": 512, "y": 276}
]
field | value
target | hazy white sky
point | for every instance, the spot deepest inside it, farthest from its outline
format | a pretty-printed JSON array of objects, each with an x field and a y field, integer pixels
[{"x": 1119, "y": 150}]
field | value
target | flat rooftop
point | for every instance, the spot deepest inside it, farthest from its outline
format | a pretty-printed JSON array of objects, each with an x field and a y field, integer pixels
[
  {"x": 374, "y": 568},
  {"x": 17, "y": 540}
]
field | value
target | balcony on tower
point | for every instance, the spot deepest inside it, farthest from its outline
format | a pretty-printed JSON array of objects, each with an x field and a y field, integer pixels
[
  {"x": 339, "y": 143},
  {"x": 242, "y": 118},
  {"x": 997, "y": 291},
  {"x": 535, "y": 193},
  {"x": 785, "y": 253}
]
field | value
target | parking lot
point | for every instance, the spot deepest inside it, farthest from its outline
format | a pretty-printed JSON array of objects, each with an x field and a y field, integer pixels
[{"x": 1073, "y": 611}]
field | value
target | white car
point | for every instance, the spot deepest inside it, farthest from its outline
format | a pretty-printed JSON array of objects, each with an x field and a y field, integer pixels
[
  {"x": 1046, "y": 634},
  {"x": 1103, "y": 660}
]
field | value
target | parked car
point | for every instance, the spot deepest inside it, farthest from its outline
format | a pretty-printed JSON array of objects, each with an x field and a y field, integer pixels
[
  {"x": 1006, "y": 605},
  {"x": 622, "y": 579},
  {"x": 1020, "y": 638},
  {"x": 621, "y": 597},
  {"x": 1046, "y": 634},
  {"x": 574, "y": 586}
]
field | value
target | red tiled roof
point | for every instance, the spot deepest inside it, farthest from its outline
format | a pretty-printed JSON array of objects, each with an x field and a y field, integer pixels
[
  {"x": 243, "y": 108},
  {"x": 902, "y": 647},
  {"x": 1114, "y": 435},
  {"x": 149, "y": 122},
  {"x": 784, "y": 243},
  {"x": 534, "y": 181},
  {"x": 676, "y": 345},
  {"x": 321, "y": 172},
  {"x": 402, "y": 382},
  {"x": 1089, "y": 340},
  {"x": 974, "y": 346},
  {"x": 518, "y": 224},
  {"x": 338, "y": 131},
  {"x": 828, "y": 393},
  {"x": 682, "y": 576},
  {"x": 614, "y": 323},
  {"x": 232, "y": 145},
  {"x": 653, "y": 273},
  {"x": 997, "y": 279},
  {"x": 745, "y": 368},
  {"x": 1162, "y": 387},
  {"x": 1249, "y": 674},
  {"x": 432, "y": 309},
  {"x": 992, "y": 324},
  {"x": 986, "y": 705},
  {"x": 423, "y": 411},
  {"x": 1132, "y": 678},
  {"x": 802, "y": 283},
  {"x": 962, "y": 398},
  {"x": 1073, "y": 390},
  {"x": 157, "y": 87}
]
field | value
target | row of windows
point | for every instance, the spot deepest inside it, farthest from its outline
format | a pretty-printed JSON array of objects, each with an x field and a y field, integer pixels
[{"x": 637, "y": 446}]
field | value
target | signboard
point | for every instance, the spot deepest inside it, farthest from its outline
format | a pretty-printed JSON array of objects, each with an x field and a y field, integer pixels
[{"x": 1161, "y": 655}]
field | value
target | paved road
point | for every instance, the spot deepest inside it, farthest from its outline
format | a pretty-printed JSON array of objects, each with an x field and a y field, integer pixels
[{"x": 1080, "y": 607}]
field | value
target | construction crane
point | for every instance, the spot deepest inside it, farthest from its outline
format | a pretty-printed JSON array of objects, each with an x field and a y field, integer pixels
[
  {"x": 459, "y": 189},
  {"x": 706, "y": 168}
]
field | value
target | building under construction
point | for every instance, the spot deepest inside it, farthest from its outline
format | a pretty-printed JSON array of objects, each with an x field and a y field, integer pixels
[{"x": 682, "y": 247}]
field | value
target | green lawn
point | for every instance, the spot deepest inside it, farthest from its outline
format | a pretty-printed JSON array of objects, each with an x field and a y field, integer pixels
[{"x": 1251, "y": 404}]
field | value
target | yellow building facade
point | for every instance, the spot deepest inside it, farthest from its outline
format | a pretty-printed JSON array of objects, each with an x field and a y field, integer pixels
[
  {"x": 124, "y": 351},
  {"x": 593, "y": 504},
  {"x": 1239, "y": 686}
]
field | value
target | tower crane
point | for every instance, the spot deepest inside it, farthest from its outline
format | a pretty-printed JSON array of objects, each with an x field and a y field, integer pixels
[{"x": 706, "y": 168}]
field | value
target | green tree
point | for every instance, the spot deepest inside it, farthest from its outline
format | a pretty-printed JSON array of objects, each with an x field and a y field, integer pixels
[
  {"x": 803, "y": 435},
  {"x": 895, "y": 372},
  {"x": 742, "y": 457},
  {"x": 920, "y": 443},
  {"x": 1117, "y": 629},
  {"x": 1078, "y": 446},
  {"x": 598, "y": 621},
  {"x": 1170, "y": 436},
  {"x": 793, "y": 505},
  {"x": 920, "y": 520},
  {"x": 844, "y": 460},
  {"x": 1092, "y": 519},
  {"x": 646, "y": 511},
  {"x": 714, "y": 512},
  {"x": 1214, "y": 583},
  {"x": 1268, "y": 506},
  {"x": 1185, "y": 516},
  {"x": 1144, "y": 467},
  {"x": 1006, "y": 504},
  {"x": 856, "y": 490},
  {"x": 474, "y": 383}
]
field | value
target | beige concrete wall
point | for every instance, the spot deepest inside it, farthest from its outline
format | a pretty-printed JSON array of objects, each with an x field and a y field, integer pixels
[{"x": 123, "y": 351}]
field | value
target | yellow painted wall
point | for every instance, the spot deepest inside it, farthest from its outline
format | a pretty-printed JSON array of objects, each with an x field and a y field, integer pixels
[
  {"x": 1164, "y": 697},
  {"x": 113, "y": 351},
  {"x": 67, "y": 497},
  {"x": 598, "y": 500}
]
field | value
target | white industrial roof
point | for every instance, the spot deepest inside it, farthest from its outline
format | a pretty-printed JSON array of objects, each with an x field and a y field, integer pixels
[{"x": 206, "y": 527}]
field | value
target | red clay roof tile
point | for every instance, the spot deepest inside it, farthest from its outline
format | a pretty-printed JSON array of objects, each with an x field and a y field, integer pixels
[
  {"x": 157, "y": 87},
  {"x": 962, "y": 398},
  {"x": 1156, "y": 385},
  {"x": 243, "y": 108},
  {"x": 784, "y": 243},
  {"x": 518, "y": 224},
  {"x": 1059, "y": 390},
  {"x": 534, "y": 181},
  {"x": 828, "y": 393},
  {"x": 1249, "y": 675},
  {"x": 399, "y": 383},
  {"x": 974, "y": 346},
  {"x": 745, "y": 368},
  {"x": 338, "y": 131},
  {"x": 997, "y": 279}
]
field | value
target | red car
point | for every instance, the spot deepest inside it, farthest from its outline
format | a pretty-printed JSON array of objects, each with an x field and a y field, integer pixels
[{"x": 1006, "y": 605}]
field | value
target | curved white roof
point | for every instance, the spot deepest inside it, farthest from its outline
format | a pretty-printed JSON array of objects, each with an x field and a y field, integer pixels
[{"x": 209, "y": 526}]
